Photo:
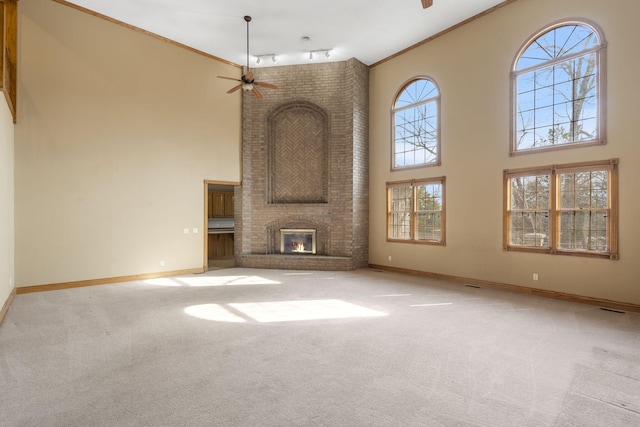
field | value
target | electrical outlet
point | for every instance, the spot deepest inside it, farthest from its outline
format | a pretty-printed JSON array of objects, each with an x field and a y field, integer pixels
[
  {"x": 162, "y": 263},
  {"x": 11, "y": 281},
  {"x": 389, "y": 257},
  {"x": 186, "y": 231},
  {"x": 535, "y": 276},
  {"x": 195, "y": 231}
]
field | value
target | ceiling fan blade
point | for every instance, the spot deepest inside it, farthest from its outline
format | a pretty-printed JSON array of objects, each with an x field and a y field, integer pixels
[
  {"x": 257, "y": 93},
  {"x": 229, "y": 78},
  {"x": 235, "y": 88},
  {"x": 267, "y": 85},
  {"x": 426, "y": 3}
]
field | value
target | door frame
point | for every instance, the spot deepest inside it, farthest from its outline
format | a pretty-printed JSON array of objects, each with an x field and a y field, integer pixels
[{"x": 205, "y": 228}]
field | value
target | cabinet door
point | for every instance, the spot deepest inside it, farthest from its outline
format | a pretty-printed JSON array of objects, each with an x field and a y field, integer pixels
[
  {"x": 218, "y": 205},
  {"x": 229, "y": 246},
  {"x": 210, "y": 205},
  {"x": 228, "y": 205},
  {"x": 211, "y": 247}
]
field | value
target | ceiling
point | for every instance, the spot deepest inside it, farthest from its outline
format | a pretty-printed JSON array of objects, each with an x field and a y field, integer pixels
[{"x": 369, "y": 30}]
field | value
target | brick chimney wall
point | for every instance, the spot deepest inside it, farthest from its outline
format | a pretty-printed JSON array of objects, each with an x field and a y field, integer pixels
[{"x": 305, "y": 164}]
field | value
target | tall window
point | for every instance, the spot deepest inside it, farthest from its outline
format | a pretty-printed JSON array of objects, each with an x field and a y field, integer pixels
[
  {"x": 558, "y": 89},
  {"x": 564, "y": 209},
  {"x": 416, "y": 211},
  {"x": 416, "y": 130}
]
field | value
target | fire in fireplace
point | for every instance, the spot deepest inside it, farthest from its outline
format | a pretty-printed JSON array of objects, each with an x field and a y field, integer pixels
[{"x": 297, "y": 241}]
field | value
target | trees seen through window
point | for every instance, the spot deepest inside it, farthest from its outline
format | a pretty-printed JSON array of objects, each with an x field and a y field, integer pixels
[
  {"x": 416, "y": 138},
  {"x": 557, "y": 90}
]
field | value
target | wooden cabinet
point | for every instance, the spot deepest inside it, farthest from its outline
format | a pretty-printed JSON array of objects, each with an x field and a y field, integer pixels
[
  {"x": 220, "y": 205},
  {"x": 220, "y": 246},
  {"x": 228, "y": 205}
]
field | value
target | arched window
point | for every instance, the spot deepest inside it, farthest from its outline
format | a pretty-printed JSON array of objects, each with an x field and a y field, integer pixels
[
  {"x": 416, "y": 129},
  {"x": 558, "y": 89}
]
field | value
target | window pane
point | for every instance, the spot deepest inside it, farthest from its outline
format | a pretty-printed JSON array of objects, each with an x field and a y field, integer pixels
[
  {"x": 561, "y": 74},
  {"x": 556, "y": 43},
  {"x": 544, "y": 116},
  {"x": 529, "y": 229},
  {"x": 562, "y": 114},
  {"x": 526, "y": 101},
  {"x": 529, "y": 216},
  {"x": 416, "y": 124},
  {"x": 583, "y": 230},
  {"x": 401, "y": 199},
  {"x": 429, "y": 207},
  {"x": 586, "y": 129},
  {"x": 543, "y": 95},
  {"x": 400, "y": 218},
  {"x": 428, "y": 226},
  {"x": 416, "y": 92},
  {"x": 584, "y": 197},
  {"x": 429, "y": 197},
  {"x": 584, "y": 190},
  {"x": 530, "y": 192},
  {"x": 400, "y": 227},
  {"x": 563, "y": 96}
]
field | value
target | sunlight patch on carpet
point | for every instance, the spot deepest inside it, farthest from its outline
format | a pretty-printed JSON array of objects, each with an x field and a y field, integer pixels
[
  {"x": 431, "y": 305},
  {"x": 203, "y": 281},
  {"x": 286, "y": 311},
  {"x": 213, "y": 312},
  {"x": 162, "y": 282}
]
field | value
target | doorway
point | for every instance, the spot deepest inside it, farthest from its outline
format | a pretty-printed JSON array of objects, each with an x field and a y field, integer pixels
[{"x": 220, "y": 225}]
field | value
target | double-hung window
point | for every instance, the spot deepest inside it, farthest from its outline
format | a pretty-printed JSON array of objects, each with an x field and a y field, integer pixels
[
  {"x": 416, "y": 211},
  {"x": 563, "y": 209}
]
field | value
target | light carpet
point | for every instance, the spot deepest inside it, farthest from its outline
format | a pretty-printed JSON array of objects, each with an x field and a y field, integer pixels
[{"x": 247, "y": 347}]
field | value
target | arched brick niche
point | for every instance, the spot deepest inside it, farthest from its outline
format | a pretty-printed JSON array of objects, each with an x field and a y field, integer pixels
[{"x": 298, "y": 153}]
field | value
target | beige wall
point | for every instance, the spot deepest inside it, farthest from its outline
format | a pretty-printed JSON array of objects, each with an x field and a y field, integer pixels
[
  {"x": 116, "y": 132},
  {"x": 471, "y": 66},
  {"x": 6, "y": 202}
]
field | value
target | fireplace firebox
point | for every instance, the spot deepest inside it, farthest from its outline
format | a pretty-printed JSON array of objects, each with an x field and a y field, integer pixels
[{"x": 297, "y": 241}]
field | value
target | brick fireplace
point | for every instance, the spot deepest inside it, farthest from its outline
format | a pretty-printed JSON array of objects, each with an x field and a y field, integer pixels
[{"x": 305, "y": 167}]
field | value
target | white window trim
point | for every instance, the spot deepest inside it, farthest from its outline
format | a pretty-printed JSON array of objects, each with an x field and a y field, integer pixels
[
  {"x": 437, "y": 99},
  {"x": 600, "y": 51}
]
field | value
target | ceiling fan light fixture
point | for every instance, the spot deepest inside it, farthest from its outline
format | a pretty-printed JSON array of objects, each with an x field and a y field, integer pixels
[{"x": 247, "y": 83}]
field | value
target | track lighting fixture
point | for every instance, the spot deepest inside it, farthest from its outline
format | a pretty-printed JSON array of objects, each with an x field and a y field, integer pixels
[
  {"x": 325, "y": 51},
  {"x": 259, "y": 58}
]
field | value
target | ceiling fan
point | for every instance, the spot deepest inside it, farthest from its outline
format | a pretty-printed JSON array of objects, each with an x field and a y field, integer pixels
[
  {"x": 247, "y": 82},
  {"x": 426, "y": 3}
]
